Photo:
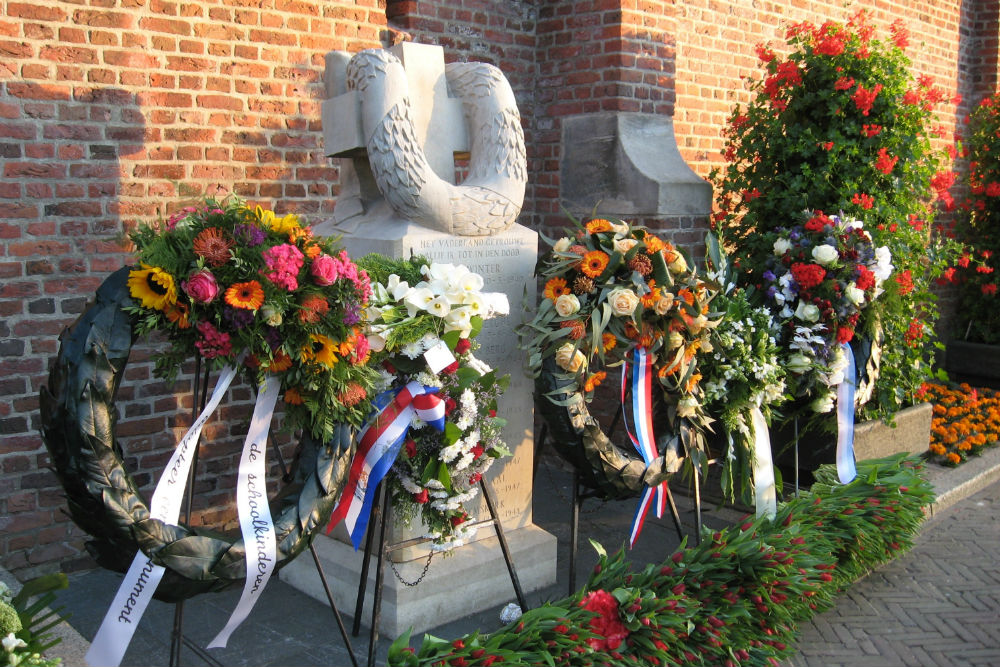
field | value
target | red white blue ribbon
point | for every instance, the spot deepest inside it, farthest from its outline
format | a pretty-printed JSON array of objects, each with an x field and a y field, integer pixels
[
  {"x": 379, "y": 443},
  {"x": 641, "y": 407},
  {"x": 846, "y": 469}
]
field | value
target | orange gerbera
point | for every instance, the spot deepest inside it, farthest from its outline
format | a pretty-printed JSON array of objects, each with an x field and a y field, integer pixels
[
  {"x": 555, "y": 288},
  {"x": 594, "y": 263},
  {"x": 687, "y": 295},
  {"x": 293, "y": 397},
  {"x": 281, "y": 362},
  {"x": 248, "y": 295},
  {"x": 650, "y": 298},
  {"x": 177, "y": 313},
  {"x": 211, "y": 244},
  {"x": 598, "y": 225},
  {"x": 594, "y": 381}
]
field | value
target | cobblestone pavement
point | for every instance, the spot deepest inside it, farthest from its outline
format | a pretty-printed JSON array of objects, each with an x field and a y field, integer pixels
[{"x": 937, "y": 605}]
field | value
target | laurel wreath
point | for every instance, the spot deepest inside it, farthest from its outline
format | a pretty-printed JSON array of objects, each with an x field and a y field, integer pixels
[
  {"x": 78, "y": 420},
  {"x": 612, "y": 472}
]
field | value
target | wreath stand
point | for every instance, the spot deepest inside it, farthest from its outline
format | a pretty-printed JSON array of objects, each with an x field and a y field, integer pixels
[
  {"x": 177, "y": 638},
  {"x": 381, "y": 517}
]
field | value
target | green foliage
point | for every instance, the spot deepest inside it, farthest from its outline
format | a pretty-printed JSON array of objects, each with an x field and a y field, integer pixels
[
  {"x": 34, "y": 619},
  {"x": 840, "y": 126},
  {"x": 979, "y": 227},
  {"x": 738, "y": 596}
]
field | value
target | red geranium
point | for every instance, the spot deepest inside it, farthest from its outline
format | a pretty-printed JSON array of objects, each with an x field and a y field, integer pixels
[{"x": 808, "y": 275}]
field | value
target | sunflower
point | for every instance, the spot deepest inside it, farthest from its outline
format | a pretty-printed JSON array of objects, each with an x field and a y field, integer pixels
[
  {"x": 211, "y": 244},
  {"x": 248, "y": 295},
  {"x": 154, "y": 287},
  {"x": 598, "y": 225},
  {"x": 594, "y": 263},
  {"x": 555, "y": 288},
  {"x": 320, "y": 350}
]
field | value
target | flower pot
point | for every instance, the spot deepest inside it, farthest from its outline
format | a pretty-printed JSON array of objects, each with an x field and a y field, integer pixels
[
  {"x": 872, "y": 440},
  {"x": 975, "y": 363}
]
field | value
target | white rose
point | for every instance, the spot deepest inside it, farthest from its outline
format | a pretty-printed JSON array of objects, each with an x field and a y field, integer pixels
[
  {"x": 567, "y": 304},
  {"x": 807, "y": 312},
  {"x": 623, "y": 301},
  {"x": 798, "y": 363},
  {"x": 621, "y": 229},
  {"x": 823, "y": 404},
  {"x": 679, "y": 264},
  {"x": 664, "y": 304},
  {"x": 674, "y": 340},
  {"x": 562, "y": 245},
  {"x": 569, "y": 358},
  {"x": 781, "y": 246},
  {"x": 272, "y": 316},
  {"x": 855, "y": 294},
  {"x": 825, "y": 254},
  {"x": 624, "y": 245}
]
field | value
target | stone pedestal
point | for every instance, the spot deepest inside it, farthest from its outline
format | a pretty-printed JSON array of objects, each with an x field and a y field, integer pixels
[{"x": 506, "y": 262}]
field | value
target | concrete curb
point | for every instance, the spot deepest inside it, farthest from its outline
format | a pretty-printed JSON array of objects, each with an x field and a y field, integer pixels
[
  {"x": 73, "y": 646},
  {"x": 954, "y": 484}
]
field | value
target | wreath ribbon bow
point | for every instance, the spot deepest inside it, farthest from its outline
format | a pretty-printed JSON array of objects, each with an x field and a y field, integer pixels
[
  {"x": 380, "y": 440},
  {"x": 641, "y": 407}
]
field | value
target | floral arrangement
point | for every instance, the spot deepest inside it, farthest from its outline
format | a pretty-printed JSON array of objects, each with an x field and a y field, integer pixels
[
  {"x": 26, "y": 622},
  {"x": 966, "y": 421},
  {"x": 612, "y": 288},
  {"x": 978, "y": 315},
  {"x": 419, "y": 308},
  {"x": 819, "y": 280},
  {"x": 837, "y": 123},
  {"x": 742, "y": 371},
  {"x": 736, "y": 598},
  {"x": 241, "y": 285}
]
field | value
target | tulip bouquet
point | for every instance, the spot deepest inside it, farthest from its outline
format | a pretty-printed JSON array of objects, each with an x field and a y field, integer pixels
[
  {"x": 240, "y": 285},
  {"x": 611, "y": 289},
  {"x": 423, "y": 321},
  {"x": 819, "y": 281}
]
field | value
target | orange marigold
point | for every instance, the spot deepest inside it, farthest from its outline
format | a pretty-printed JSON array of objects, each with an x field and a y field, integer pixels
[
  {"x": 594, "y": 263},
  {"x": 594, "y": 381},
  {"x": 212, "y": 244},
  {"x": 608, "y": 341}
]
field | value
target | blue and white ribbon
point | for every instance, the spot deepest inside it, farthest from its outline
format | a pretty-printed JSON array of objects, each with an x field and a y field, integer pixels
[
  {"x": 846, "y": 469},
  {"x": 641, "y": 407},
  {"x": 765, "y": 496}
]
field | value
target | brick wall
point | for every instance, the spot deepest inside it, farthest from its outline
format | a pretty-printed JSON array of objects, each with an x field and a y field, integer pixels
[{"x": 105, "y": 110}]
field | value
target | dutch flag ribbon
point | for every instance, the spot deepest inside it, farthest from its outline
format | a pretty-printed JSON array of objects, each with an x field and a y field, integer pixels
[
  {"x": 379, "y": 442},
  {"x": 641, "y": 407}
]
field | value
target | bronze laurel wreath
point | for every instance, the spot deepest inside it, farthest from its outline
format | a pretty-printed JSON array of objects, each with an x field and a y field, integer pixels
[{"x": 78, "y": 419}]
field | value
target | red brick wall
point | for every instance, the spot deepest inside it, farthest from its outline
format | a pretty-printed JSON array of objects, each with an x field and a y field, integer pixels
[{"x": 104, "y": 110}]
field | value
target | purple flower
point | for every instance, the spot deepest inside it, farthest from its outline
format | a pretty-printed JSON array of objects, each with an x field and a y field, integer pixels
[
  {"x": 352, "y": 314},
  {"x": 251, "y": 235},
  {"x": 273, "y": 337},
  {"x": 768, "y": 275},
  {"x": 237, "y": 318},
  {"x": 771, "y": 291}
]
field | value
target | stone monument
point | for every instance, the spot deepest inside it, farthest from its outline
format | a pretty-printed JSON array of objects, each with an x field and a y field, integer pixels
[{"x": 397, "y": 119}]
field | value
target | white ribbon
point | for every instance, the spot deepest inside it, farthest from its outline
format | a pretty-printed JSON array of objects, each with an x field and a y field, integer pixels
[
  {"x": 255, "y": 515},
  {"x": 143, "y": 576},
  {"x": 765, "y": 497},
  {"x": 846, "y": 470}
]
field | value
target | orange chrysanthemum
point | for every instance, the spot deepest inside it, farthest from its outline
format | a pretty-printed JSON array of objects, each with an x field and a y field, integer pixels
[
  {"x": 314, "y": 308},
  {"x": 248, "y": 295},
  {"x": 598, "y": 225},
  {"x": 353, "y": 394},
  {"x": 594, "y": 263},
  {"x": 211, "y": 244},
  {"x": 293, "y": 397},
  {"x": 555, "y": 288}
]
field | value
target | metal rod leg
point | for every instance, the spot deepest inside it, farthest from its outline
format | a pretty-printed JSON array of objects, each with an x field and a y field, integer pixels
[
  {"x": 697, "y": 506},
  {"x": 379, "y": 573},
  {"x": 498, "y": 526},
  {"x": 574, "y": 526},
  {"x": 359, "y": 606},
  {"x": 674, "y": 514},
  {"x": 796, "y": 456},
  {"x": 333, "y": 605}
]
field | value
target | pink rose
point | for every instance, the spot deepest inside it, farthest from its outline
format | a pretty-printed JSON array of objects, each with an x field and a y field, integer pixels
[
  {"x": 201, "y": 286},
  {"x": 324, "y": 270}
]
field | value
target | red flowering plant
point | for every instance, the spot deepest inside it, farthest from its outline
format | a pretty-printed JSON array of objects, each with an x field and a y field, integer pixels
[
  {"x": 423, "y": 321},
  {"x": 839, "y": 125},
  {"x": 820, "y": 280},
  {"x": 240, "y": 285},
  {"x": 978, "y": 316}
]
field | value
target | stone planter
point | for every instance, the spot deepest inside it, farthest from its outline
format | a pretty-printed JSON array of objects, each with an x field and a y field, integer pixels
[
  {"x": 872, "y": 440},
  {"x": 975, "y": 363}
]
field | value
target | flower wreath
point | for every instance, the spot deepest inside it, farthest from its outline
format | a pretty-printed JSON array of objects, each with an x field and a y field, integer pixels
[
  {"x": 613, "y": 292},
  {"x": 232, "y": 283},
  {"x": 418, "y": 307}
]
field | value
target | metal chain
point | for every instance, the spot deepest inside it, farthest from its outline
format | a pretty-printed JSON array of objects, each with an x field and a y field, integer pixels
[{"x": 419, "y": 579}]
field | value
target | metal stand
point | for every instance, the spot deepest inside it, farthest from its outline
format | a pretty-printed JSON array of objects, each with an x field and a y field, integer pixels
[{"x": 380, "y": 517}]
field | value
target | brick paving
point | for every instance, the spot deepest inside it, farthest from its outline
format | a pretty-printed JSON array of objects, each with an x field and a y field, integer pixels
[{"x": 938, "y": 605}]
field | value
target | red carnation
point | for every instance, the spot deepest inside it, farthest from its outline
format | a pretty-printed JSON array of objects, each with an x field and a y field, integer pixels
[
  {"x": 449, "y": 405},
  {"x": 422, "y": 497},
  {"x": 477, "y": 451},
  {"x": 474, "y": 478},
  {"x": 845, "y": 334},
  {"x": 462, "y": 346},
  {"x": 606, "y": 624},
  {"x": 818, "y": 222},
  {"x": 411, "y": 448},
  {"x": 808, "y": 275},
  {"x": 451, "y": 368},
  {"x": 866, "y": 279},
  {"x": 459, "y": 520}
]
